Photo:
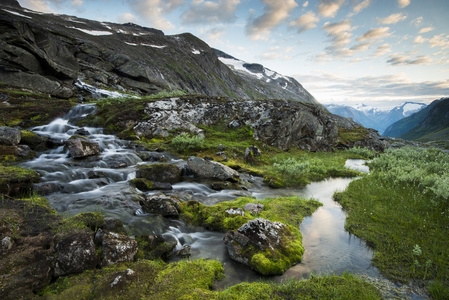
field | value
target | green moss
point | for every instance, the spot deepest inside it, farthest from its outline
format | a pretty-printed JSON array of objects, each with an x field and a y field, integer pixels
[
  {"x": 143, "y": 184},
  {"x": 17, "y": 181},
  {"x": 92, "y": 220},
  {"x": 350, "y": 136}
]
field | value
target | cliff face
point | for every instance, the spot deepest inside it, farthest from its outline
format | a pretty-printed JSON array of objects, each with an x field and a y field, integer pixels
[{"x": 49, "y": 53}]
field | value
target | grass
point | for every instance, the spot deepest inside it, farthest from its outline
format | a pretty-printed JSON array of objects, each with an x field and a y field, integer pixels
[
  {"x": 194, "y": 280},
  {"x": 402, "y": 210}
]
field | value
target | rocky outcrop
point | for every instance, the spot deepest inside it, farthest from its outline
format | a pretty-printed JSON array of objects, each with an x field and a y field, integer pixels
[
  {"x": 167, "y": 206},
  {"x": 54, "y": 54},
  {"x": 211, "y": 169},
  {"x": 279, "y": 123},
  {"x": 75, "y": 254},
  {"x": 265, "y": 246},
  {"x": 80, "y": 148}
]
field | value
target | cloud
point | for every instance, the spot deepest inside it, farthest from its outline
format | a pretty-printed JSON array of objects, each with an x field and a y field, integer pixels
[
  {"x": 76, "y": 3},
  {"x": 305, "y": 4},
  {"x": 439, "y": 41},
  {"x": 339, "y": 33},
  {"x": 403, "y": 3},
  {"x": 374, "y": 34},
  {"x": 277, "y": 53},
  {"x": 419, "y": 40},
  {"x": 329, "y": 8},
  {"x": 154, "y": 10},
  {"x": 382, "y": 50},
  {"x": 361, "y": 6},
  {"x": 126, "y": 18},
  {"x": 37, "y": 5},
  {"x": 215, "y": 34},
  {"x": 221, "y": 11},
  {"x": 426, "y": 29},
  {"x": 417, "y": 22},
  {"x": 384, "y": 91},
  {"x": 305, "y": 22},
  {"x": 275, "y": 11},
  {"x": 392, "y": 19},
  {"x": 404, "y": 59},
  {"x": 361, "y": 46}
]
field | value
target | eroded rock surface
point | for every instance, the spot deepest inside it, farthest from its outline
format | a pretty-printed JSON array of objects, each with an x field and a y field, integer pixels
[{"x": 116, "y": 247}]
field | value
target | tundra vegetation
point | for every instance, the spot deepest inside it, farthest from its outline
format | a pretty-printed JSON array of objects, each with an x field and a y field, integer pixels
[{"x": 401, "y": 208}]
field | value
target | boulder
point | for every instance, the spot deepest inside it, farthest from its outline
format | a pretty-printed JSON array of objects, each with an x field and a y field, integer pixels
[
  {"x": 80, "y": 148},
  {"x": 211, "y": 169},
  {"x": 159, "y": 172},
  {"x": 116, "y": 247},
  {"x": 5, "y": 245},
  {"x": 185, "y": 251},
  {"x": 250, "y": 153},
  {"x": 265, "y": 246},
  {"x": 253, "y": 208},
  {"x": 167, "y": 206},
  {"x": 147, "y": 185},
  {"x": 75, "y": 254},
  {"x": 156, "y": 246},
  {"x": 10, "y": 136}
]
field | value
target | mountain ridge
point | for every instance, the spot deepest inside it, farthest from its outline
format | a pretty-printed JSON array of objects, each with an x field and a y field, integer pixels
[{"x": 50, "y": 53}]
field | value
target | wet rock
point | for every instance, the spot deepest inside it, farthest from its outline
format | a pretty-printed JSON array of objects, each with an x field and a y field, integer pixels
[
  {"x": 265, "y": 246},
  {"x": 116, "y": 247},
  {"x": 253, "y": 208},
  {"x": 211, "y": 169},
  {"x": 167, "y": 206},
  {"x": 75, "y": 254},
  {"x": 114, "y": 225},
  {"x": 159, "y": 172},
  {"x": 33, "y": 140},
  {"x": 185, "y": 251},
  {"x": 23, "y": 151},
  {"x": 10, "y": 136},
  {"x": 250, "y": 153},
  {"x": 82, "y": 131},
  {"x": 121, "y": 160},
  {"x": 46, "y": 188},
  {"x": 147, "y": 185},
  {"x": 80, "y": 148},
  {"x": 152, "y": 156}
]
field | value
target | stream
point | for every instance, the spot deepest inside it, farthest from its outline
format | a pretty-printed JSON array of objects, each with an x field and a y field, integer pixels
[{"x": 101, "y": 183}]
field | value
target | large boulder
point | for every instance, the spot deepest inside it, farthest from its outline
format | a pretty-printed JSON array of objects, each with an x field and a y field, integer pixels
[
  {"x": 75, "y": 254},
  {"x": 80, "y": 148},
  {"x": 159, "y": 172},
  {"x": 116, "y": 247},
  {"x": 211, "y": 169},
  {"x": 10, "y": 136},
  {"x": 167, "y": 206},
  {"x": 265, "y": 246}
]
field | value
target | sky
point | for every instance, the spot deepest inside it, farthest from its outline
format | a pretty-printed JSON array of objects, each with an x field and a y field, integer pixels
[{"x": 376, "y": 52}]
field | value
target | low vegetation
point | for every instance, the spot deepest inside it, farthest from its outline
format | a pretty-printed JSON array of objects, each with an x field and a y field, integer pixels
[{"x": 402, "y": 209}]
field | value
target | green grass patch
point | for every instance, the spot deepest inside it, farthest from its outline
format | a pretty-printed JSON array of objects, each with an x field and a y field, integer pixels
[{"x": 402, "y": 210}]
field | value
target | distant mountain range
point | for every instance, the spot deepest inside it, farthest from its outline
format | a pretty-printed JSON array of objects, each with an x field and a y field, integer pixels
[
  {"x": 57, "y": 54},
  {"x": 372, "y": 117},
  {"x": 429, "y": 124}
]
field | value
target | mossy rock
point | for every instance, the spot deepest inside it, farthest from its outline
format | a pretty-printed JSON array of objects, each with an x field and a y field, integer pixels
[
  {"x": 92, "y": 220},
  {"x": 148, "y": 185},
  {"x": 15, "y": 181},
  {"x": 33, "y": 140},
  {"x": 154, "y": 247}
]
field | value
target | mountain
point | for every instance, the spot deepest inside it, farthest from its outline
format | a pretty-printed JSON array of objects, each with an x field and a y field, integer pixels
[
  {"x": 429, "y": 124},
  {"x": 375, "y": 118},
  {"x": 58, "y": 54}
]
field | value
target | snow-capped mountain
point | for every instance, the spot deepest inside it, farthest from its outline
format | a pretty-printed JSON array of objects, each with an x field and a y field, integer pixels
[{"x": 373, "y": 117}]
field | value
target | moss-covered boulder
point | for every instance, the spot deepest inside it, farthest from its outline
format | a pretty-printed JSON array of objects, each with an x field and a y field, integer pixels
[
  {"x": 15, "y": 181},
  {"x": 159, "y": 173},
  {"x": 265, "y": 246},
  {"x": 155, "y": 246},
  {"x": 147, "y": 185},
  {"x": 167, "y": 206},
  {"x": 34, "y": 141}
]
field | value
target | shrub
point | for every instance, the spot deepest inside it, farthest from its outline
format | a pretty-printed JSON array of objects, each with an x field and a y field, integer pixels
[{"x": 185, "y": 142}]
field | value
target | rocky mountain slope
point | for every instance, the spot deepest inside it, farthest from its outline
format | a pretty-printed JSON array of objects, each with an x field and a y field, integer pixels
[
  {"x": 375, "y": 118},
  {"x": 429, "y": 124},
  {"x": 50, "y": 53}
]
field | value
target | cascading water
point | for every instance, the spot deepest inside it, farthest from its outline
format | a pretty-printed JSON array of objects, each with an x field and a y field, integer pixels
[{"x": 101, "y": 183}]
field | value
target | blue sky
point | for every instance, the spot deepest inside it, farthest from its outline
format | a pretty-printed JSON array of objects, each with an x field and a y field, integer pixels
[{"x": 377, "y": 52}]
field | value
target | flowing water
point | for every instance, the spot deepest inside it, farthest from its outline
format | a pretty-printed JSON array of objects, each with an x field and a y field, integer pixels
[{"x": 101, "y": 183}]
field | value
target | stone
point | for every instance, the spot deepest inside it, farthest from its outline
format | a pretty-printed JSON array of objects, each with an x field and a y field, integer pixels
[
  {"x": 221, "y": 147},
  {"x": 167, "y": 206},
  {"x": 147, "y": 185},
  {"x": 250, "y": 153},
  {"x": 82, "y": 131},
  {"x": 265, "y": 246},
  {"x": 159, "y": 172},
  {"x": 23, "y": 150},
  {"x": 212, "y": 170},
  {"x": 10, "y": 136},
  {"x": 156, "y": 246},
  {"x": 253, "y": 208},
  {"x": 46, "y": 188},
  {"x": 121, "y": 277},
  {"x": 6, "y": 244},
  {"x": 116, "y": 247},
  {"x": 75, "y": 254},
  {"x": 185, "y": 251},
  {"x": 235, "y": 211},
  {"x": 80, "y": 148}
]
